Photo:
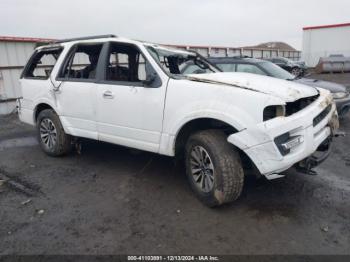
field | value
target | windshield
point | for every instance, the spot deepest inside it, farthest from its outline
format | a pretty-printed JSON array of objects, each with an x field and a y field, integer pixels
[
  {"x": 276, "y": 71},
  {"x": 174, "y": 61}
]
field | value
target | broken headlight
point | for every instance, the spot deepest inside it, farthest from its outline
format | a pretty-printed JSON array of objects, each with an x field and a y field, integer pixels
[
  {"x": 286, "y": 142},
  {"x": 271, "y": 112}
]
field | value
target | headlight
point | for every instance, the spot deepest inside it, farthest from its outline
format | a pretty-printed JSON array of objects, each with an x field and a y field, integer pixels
[
  {"x": 271, "y": 112},
  {"x": 339, "y": 95}
]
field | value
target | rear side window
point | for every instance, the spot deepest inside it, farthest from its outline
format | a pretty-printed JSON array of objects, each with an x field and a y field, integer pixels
[
  {"x": 81, "y": 62},
  {"x": 280, "y": 61},
  {"x": 247, "y": 68},
  {"x": 42, "y": 63},
  {"x": 227, "y": 67}
]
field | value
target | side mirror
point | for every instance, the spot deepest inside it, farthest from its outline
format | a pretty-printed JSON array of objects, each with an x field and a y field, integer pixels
[{"x": 150, "y": 78}]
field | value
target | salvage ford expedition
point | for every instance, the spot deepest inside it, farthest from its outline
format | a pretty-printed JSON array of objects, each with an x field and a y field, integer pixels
[{"x": 132, "y": 93}]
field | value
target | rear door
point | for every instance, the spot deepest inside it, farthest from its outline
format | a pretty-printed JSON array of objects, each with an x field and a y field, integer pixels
[
  {"x": 76, "y": 97},
  {"x": 129, "y": 111}
]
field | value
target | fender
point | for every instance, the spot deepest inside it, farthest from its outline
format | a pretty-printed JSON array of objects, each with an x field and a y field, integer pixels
[{"x": 227, "y": 115}]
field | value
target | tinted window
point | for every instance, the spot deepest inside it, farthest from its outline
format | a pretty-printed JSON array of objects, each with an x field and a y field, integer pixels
[
  {"x": 247, "y": 68},
  {"x": 125, "y": 63},
  {"x": 82, "y": 61},
  {"x": 227, "y": 67},
  {"x": 279, "y": 60},
  {"x": 276, "y": 71},
  {"x": 42, "y": 63}
]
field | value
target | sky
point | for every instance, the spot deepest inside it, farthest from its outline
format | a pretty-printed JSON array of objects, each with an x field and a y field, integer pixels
[{"x": 189, "y": 22}]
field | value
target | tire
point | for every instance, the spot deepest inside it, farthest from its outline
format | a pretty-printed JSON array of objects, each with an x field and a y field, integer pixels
[
  {"x": 52, "y": 138},
  {"x": 225, "y": 182}
]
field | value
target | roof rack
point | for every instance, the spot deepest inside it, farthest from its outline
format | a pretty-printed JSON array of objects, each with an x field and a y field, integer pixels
[{"x": 84, "y": 38}]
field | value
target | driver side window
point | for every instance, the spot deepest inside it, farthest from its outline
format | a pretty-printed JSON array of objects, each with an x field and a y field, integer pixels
[{"x": 125, "y": 64}]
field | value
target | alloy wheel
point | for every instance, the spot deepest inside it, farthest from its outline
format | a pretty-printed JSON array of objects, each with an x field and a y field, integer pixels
[
  {"x": 48, "y": 133},
  {"x": 202, "y": 169}
]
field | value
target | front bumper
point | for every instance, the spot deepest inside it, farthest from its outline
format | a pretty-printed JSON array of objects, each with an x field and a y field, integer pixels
[{"x": 258, "y": 142}]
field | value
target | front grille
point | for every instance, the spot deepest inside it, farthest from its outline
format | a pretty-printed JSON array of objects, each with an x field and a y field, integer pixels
[
  {"x": 322, "y": 115},
  {"x": 296, "y": 106}
]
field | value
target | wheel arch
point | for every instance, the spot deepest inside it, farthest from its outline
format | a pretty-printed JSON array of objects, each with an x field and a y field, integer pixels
[
  {"x": 198, "y": 124},
  {"x": 40, "y": 107},
  {"x": 205, "y": 123}
]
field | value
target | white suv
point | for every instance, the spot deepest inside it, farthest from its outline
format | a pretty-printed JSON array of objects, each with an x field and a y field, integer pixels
[{"x": 132, "y": 93}]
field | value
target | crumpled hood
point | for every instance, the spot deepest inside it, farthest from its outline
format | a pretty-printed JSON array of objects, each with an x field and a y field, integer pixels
[
  {"x": 288, "y": 91},
  {"x": 332, "y": 87}
]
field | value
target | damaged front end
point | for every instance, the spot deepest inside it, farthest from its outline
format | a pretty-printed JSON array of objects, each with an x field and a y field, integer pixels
[
  {"x": 301, "y": 137},
  {"x": 323, "y": 151}
]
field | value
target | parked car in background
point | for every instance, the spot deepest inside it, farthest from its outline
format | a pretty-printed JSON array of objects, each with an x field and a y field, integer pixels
[
  {"x": 133, "y": 94},
  {"x": 297, "y": 68},
  {"x": 262, "y": 67}
]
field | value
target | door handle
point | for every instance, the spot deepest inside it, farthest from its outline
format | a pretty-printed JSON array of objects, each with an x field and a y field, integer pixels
[{"x": 108, "y": 95}]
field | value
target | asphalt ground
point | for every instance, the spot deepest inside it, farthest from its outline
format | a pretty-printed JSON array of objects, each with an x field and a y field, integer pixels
[{"x": 108, "y": 199}]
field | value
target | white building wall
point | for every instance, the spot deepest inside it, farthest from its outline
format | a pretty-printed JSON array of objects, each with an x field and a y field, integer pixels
[
  {"x": 323, "y": 42},
  {"x": 13, "y": 56}
]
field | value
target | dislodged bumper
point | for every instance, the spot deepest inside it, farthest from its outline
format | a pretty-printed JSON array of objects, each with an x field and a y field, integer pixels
[{"x": 276, "y": 145}]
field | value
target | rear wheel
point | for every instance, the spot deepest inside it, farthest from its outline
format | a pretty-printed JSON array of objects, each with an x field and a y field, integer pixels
[
  {"x": 52, "y": 138},
  {"x": 213, "y": 168}
]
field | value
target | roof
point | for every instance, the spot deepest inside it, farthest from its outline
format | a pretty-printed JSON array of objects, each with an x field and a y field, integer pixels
[
  {"x": 326, "y": 26},
  {"x": 25, "y": 39}
]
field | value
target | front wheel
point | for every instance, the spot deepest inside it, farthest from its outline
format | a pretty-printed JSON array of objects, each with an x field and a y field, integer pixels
[
  {"x": 213, "y": 168},
  {"x": 52, "y": 138}
]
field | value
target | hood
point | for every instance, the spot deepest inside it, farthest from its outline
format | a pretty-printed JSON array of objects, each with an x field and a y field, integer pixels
[
  {"x": 288, "y": 91},
  {"x": 332, "y": 87}
]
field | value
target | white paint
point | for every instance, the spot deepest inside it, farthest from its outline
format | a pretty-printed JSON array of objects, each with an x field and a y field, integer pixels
[
  {"x": 257, "y": 141},
  {"x": 323, "y": 42},
  {"x": 151, "y": 118}
]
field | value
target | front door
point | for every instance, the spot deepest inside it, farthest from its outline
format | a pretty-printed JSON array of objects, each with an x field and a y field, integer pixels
[{"x": 129, "y": 110}]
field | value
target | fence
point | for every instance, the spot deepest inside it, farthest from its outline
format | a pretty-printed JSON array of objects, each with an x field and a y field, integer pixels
[{"x": 208, "y": 51}]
